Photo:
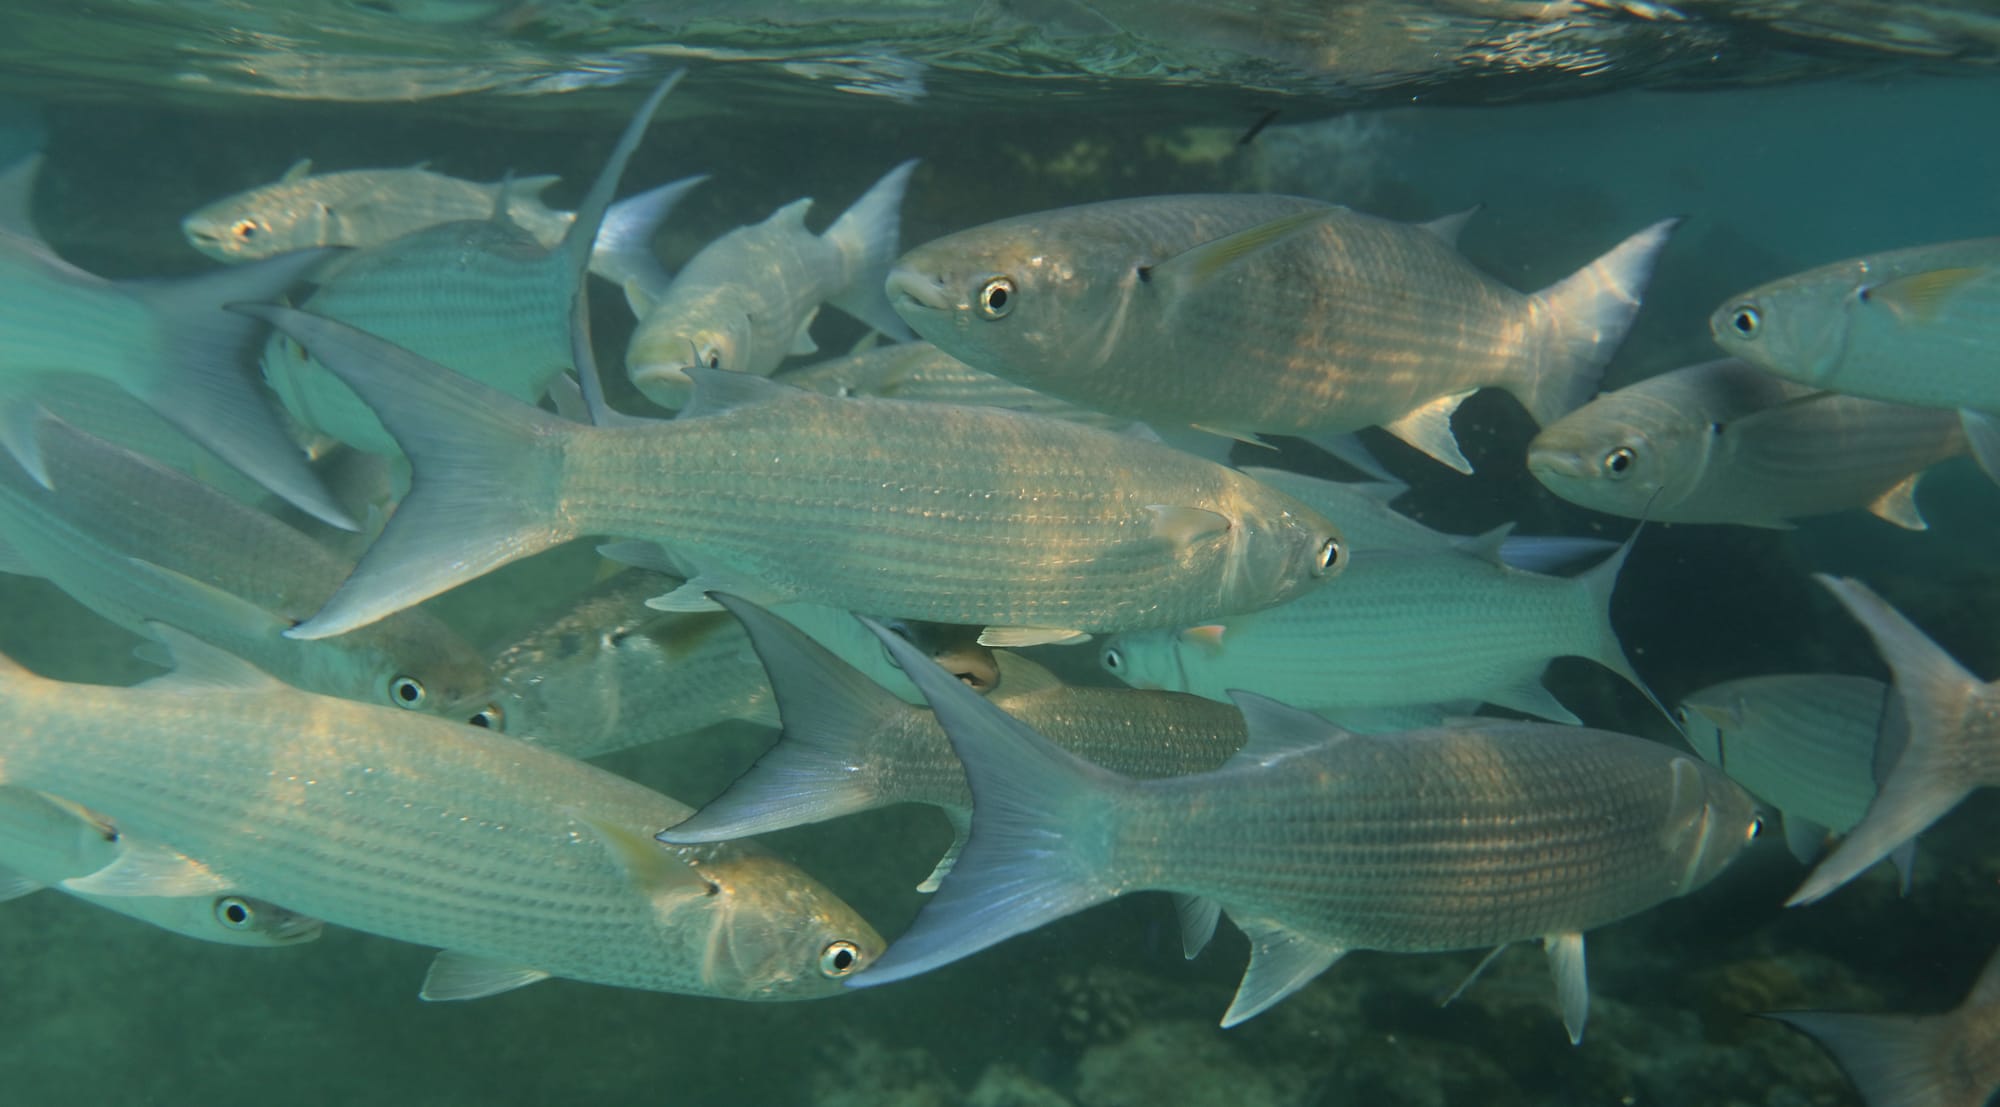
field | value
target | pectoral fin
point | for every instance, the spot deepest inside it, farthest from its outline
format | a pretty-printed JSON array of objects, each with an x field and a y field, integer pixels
[
  {"x": 647, "y": 864},
  {"x": 1428, "y": 428},
  {"x": 1022, "y": 637},
  {"x": 1919, "y": 297},
  {"x": 1190, "y": 269},
  {"x": 1803, "y": 837},
  {"x": 802, "y": 341},
  {"x": 456, "y": 975},
  {"x": 1281, "y": 962},
  {"x": 148, "y": 869},
  {"x": 1572, "y": 989},
  {"x": 1185, "y": 526},
  {"x": 1198, "y": 915}
]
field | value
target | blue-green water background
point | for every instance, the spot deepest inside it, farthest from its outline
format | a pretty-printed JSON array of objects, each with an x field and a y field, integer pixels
[{"x": 1101, "y": 1009}]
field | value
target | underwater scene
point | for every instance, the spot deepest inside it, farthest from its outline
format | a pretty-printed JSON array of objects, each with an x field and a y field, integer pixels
[{"x": 1027, "y": 553}]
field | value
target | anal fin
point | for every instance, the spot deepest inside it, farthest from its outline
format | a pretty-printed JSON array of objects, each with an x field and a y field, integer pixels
[
  {"x": 1281, "y": 962},
  {"x": 1565, "y": 953},
  {"x": 1898, "y": 505},
  {"x": 455, "y": 975},
  {"x": 1428, "y": 428}
]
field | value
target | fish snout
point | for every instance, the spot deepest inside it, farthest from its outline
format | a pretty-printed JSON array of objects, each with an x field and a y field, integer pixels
[{"x": 909, "y": 289}]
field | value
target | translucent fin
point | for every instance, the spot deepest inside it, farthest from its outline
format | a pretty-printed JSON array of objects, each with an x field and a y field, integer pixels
[
  {"x": 1181, "y": 527},
  {"x": 1190, "y": 269},
  {"x": 146, "y": 869},
  {"x": 1428, "y": 428},
  {"x": 198, "y": 665},
  {"x": 1982, "y": 438},
  {"x": 206, "y": 381},
  {"x": 1929, "y": 778},
  {"x": 1198, "y": 915},
  {"x": 1023, "y": 637},
  {"x": 802, "y": 340},
  {"x": 961, "y": 830},
  {"x": 1547, "y": 554},
  {"x": 580, "y": 240},
  {"x": 1565, "y": 952},
  {"x": 299, "y": 171},
  {"x": 474, "y": 454},
  {"x": 1600, "y": 581},
  {"x": 694, "y": 595},
  {"x": 1898, "y": 505},
  {"x": 1530, "y": 697},
  {"x": 1805, "y": 838},
  {"x": 720, "y": 390},
  {"x": 1893, "y": 1060},
  {"x": 1349, "y": 450},
  {"x": 1038, "y": 848},
  {"x": 1281, "y": 962},
  {"x": 212, "y": 606},
  {"x": 868, "y": 236},
  {"x": 1587, "y": 315},
  {"x": 1450, "y": 227},
  {"x": 1274, "y": 731},
  {"x": 20, "y": 436},
  {"x": 648, "y": 865},
  {"x": 13, "y": 885},
  {"x": 623, "y": 252},
  {"x": 17, "y": 197},
  {"x": 1920, "y": 297},
  {"x": 1473, "y": 976},
  {"x": 824, "y": 763},
  {"x": 455, "y": 975}
]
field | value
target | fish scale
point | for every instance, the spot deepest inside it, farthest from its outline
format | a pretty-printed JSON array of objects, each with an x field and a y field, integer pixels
[{"x": 417, "y": 829}]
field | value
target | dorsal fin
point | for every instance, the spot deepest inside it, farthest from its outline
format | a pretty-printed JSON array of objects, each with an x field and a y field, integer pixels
[
  {"x": 1449, "y": 227},
  {"x": 300, "y": 170}
]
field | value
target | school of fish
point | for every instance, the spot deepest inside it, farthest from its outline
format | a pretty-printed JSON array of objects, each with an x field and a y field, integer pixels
[{"x": 391, "y": 389}]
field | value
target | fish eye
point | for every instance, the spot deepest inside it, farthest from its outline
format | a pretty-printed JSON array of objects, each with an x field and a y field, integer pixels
[
  {"x": 245, "y": 229},
  {"x": 489, "y": 717},
  {"x": 1114, "y": 659},
  {"x": 1681, "y": 715},
  {"x": 1745, "y": 320},
  {"x": 1755, "y": 828},
  {"x": 406, "y": 691},
  {"x": 996, "y": 297},
  {"x": 1619, "y": 462},
  {"x": 235, "y": 913},
  {"x": 711, "y": 357},
  {"x": 839, "y": 958},
  {"x": 1329, "y": 559}
]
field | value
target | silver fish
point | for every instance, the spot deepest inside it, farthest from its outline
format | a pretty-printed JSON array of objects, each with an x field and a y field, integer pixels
[
  {"x": 1951, "y": 741},
  {"x": 749, "y": 298},
  {"x": 1318, "y": 841},
  {"x": 849, "y": 745},
  {"x": 1725, "y": 442},
  {"x": 519, "y": 863},
  {"x": 359, "y": 208},
  {"x": 141, "y": 544},
  {"x": 46, "y": 842},
  {"x": 167, "y": 343},
  {"x": 1043, "y": 529},
  {"x": 1327, "y": 320},
  {"x": 1944, "y": 1060},
  {"x": 481, "y": 296}
]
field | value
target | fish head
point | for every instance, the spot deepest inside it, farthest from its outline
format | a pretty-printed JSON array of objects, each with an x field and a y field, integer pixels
[
  {"x": 1621, "y": 454},
  {"x": 1147, "y": 659},
  {"x": 1799, "y": 327},
  {"x": 258, "y": 224},
  {"x": 778, "y": 934},
  {"x": 1709, "y": 820},
  {"x": 1028, "y": 298},
  {"x": 239, "y": 920},
  {"x": 414, "y": 662},
  {"x": 694, "y": 330},
  {"x": 1277, "y": 548}
]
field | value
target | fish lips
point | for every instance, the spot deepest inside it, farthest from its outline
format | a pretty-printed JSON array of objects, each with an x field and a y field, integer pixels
[{"x": 915, "y": 295}]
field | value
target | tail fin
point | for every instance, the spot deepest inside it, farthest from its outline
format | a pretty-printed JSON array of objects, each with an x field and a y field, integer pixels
[
  {"x": 581, "y": 238},
  {"x": 623, "y": 252},
  {"x": 478, "y": 459},
  {"x": 207, "y": 384},
  {"x": 821, "y": 767},
  {"x": 1585, "y": 317},
  {"x": 1040, "y": 820},
  {"x": 868, "y": 236},
  {"x": 1929, "y": 778},
  {"x": 1600, "y": 581},
  {"x": 1893, "y": 1060}
]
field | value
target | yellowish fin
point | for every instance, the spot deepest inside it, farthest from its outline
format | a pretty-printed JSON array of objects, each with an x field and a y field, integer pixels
[
  {"x": 1898, "y": 505},
  {"x": 1920, "y": 296},
  {"x": 1209, "y": 638},
  {"x": 1428, "y": 428},
  {"x": 1023, "y": 637},
  {"x": 647, "y": 864},
  {"x": 1185, "y": 526},
  {"x": 1191, "y": 269}
]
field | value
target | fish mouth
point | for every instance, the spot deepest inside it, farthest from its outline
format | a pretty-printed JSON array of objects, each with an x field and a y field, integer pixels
[
  {"x": 911, "y": 290},
  {"x": 1566, "y": 464}
]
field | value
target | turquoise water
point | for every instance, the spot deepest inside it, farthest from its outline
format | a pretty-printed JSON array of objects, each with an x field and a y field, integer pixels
[{"x": 1100, "y": 1009}]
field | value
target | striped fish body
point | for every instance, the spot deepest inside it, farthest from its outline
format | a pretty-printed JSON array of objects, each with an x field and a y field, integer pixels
[
  {"x": 481, "y": 297},
  {"x": 1346, "y": 321},
  {"x": 1725, "y": 442},
  {"x": 921, "y": 371},
  {"x": 1912, "y": 326},
  {"x": 946, "y": 514},
  {"x": 424, "y": 831},
  {"x": 137, "y": 542},
  {"x": 1401, "y": 628},
  {"x": 1450, "y": 838},
  {"x": 1804, "y": 743}
]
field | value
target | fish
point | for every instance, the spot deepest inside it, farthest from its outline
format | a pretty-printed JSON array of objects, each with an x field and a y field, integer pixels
[
  {"x": 1327, "y": 320},
  {"x": 168, "y": 344},
  {"x": 142, "y": 544},
  {"x": 1911, "y": 326},
  {"x": 921, "y": 371},
  {"x": 482, "y": 296},
  {"x": 1804, "y": 743},
  {"x": 1950, "y": 741},
  {"x": 360, "y": 208},
  {"x": 849, "y": 745},
  {"x": 1942, "y": 1060},
  {"x": 519, "y": 863},
  {"x": 747, "y": 300},
  {"x": 1726, "y": 442},
  {"x": 1318, "y": 841},
  {"x": 1405, "y": 627},
  {"x": 45, "y": 842},
  {"x": 1037, "y": 529}
]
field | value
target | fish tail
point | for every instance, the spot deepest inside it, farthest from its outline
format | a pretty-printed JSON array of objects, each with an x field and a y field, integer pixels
[
  {"x": 485, "y": 471},
  {"x": 204, "y": 381},
  {"x": 868, "y": 236},
  {"x": 581, "y": 238},
  {"x": 1585, "y": 317},
  {"x": 1043, "y": 821},
  {"x": 623, "y": 251},
  {"x": 1928, "y": 777},
  {"x": 1600, "y": 582},
  {"x": 824, "y": 764},
  {"x": 1892, "y": 1059}
]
